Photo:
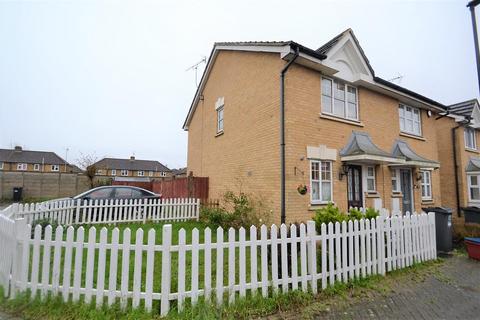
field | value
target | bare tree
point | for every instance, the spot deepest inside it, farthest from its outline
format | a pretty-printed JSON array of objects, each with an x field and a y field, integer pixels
[{"x": 87, "y": 163}]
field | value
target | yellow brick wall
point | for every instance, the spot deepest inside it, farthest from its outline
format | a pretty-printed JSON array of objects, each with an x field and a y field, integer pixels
[{"x": 247, "y": 156}]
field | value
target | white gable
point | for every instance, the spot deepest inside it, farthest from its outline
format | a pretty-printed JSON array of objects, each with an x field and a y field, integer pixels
[
  {"x": 476, "y": 116},
  {"x": 345, "y": 56}
]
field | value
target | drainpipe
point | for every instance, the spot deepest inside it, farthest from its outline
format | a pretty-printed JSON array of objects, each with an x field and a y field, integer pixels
[
  {"x": 282, "y": 134},
  {"x": 455, "y": 166}
]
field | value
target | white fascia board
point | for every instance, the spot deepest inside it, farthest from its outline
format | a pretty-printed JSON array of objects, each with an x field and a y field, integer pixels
[
  {"x": 417, "y": 164},
  {"x": 273, "y": 49},
  {"x": 372, "y": 158}
]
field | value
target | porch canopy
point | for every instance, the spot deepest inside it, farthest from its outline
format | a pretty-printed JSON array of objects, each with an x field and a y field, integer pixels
[
  {"x": 473, "y": 165},
  {"x": 402, "y": 149},
  {"x": 361, "y": 149}
]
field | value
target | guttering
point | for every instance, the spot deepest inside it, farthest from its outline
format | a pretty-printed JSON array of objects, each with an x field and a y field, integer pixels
[{"x": 282, "y": 133}]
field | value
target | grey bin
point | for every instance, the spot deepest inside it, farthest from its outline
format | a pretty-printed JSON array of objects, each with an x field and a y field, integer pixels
[
  {"x": 443, "y": 227},
  {"x": 472, "y": 214}
]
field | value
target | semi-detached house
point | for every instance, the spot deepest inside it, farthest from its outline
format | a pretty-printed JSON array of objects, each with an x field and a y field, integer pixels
[{"x": 352, "y": 138}]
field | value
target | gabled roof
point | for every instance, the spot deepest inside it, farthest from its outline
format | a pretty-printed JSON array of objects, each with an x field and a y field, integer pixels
[
  {"x": 402, "y": 150},
  {"x": 464, "y": 108},
  {"x": 362, "y": 71},
  {"x": 473, "y": 165},
  {"x": 129, "y": 164},
  {"x": 29, "y": 156}
]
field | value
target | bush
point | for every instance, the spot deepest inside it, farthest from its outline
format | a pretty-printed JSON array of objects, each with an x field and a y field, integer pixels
[
  {"x": 240, "y": 210},
  {"x": 332, "y": 214}
]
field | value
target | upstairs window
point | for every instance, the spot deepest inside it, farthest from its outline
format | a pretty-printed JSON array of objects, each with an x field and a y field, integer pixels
[
  {"x": 1, "y": 165},
  {"x": 339, "y": 99},
  {"x": 124, "y": 173},
  {"x": 219, "y": 107},
  {"x": 21, "y": 166},
  {"x": 55, "y": 167},
  {"x": 410, "y": 120},
  {"x": 470, "y": 139},
  {"x": 113, "y": 172},
  {"x": 140, "y": 173},
  {"x": 36, "y": 167},
  {"x": 150, "y": 173}
]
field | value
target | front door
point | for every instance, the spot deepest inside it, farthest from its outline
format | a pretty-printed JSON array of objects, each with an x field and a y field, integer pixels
[
  {"x": 406, "y": 187},
  {"x": 354, "y": 185}
]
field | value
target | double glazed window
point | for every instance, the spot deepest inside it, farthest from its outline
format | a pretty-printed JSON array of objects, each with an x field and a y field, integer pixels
[
  {"x": 426, "y": 185},
  {"x": 55, "y": 167},
  {"x": 395, "y": 180},
  {"x": 474, "y": 187},
  {"x": 36, "y": 167},
  {"x": 410, "y": 120},
  {"x": 140, "y": 173},
  {"x": 470, "y": 141},
  {"x": 113, "y": 172},
  {"x": 371, "y": 179},
  {"x": 320, "y": 181},
  {"x": 124, "y": 173},
  {"x": 21, "y": 166},
  {"x": 339, "y": 99}
]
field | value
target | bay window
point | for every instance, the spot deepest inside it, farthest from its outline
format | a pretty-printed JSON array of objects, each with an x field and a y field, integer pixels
[
  {"x": 339, "y": 99},
  {"x": 320, "y": 181}
]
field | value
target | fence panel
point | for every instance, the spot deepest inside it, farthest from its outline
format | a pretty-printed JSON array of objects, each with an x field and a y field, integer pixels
[{"x": 285, "y": 259}]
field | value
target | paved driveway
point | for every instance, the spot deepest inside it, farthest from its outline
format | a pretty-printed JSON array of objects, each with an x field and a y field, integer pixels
[{"x": 450, "y": 292}]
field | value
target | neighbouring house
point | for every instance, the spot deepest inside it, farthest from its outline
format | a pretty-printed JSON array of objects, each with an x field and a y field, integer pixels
[
  {"x": 19, "y": 160},
  {"x": 133, "y": 168},
  {"x": 460, "y": 156},
  {"x": 179, "y": 173},
  {"x": 351, "y": 137}
]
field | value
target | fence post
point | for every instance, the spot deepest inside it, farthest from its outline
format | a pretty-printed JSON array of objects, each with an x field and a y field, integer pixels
[
  {"x": 197, "y": 210},
  {"x": 77, "y": 211},
  {"x": 312, "y": 254},
  {"x": 166, "y": 268},
  {"x": 20, "y": 238},
  {"x": 144, "y": 213}
]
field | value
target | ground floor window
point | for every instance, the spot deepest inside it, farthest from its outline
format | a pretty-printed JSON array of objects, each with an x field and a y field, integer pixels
[
  {"x": 371, "y": 179},
  {"x": 395, "y": 180},
  {"x": 320, "y": 181},
  {"x": 473, "y": 187},
  {"x": 426, "y": 185}
]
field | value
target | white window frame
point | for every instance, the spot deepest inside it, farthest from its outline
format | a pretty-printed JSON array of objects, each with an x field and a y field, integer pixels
[
  {"x": 140, "y": 173},
  {"x": 395, "y": 178},
  {"x": 150, "y": 173},
  {"x": 22, "y": 167},
  {"x": 220, "y": 113},
  {"x": 470, "y": 186},
  {"x": 163, "y": 174},
  {"x": 1, "y": 165},
  {"x": 320, "y": 182},
  {"x": 55, "y": 168},
  {"x": 402, "y": 117},
  {"x": 468, "y": 131},
  {"x": 332, "y": 98},
  {"x": 113, "y": 172},
  {"x": 36, "y": 167},
  {"x": 370, "y": 177},
  {"x": 124, "y": 173},
  {"x": 426, "y": 185}
]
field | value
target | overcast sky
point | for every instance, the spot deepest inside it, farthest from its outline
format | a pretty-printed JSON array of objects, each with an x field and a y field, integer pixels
[{"x": 108, "y": 78}]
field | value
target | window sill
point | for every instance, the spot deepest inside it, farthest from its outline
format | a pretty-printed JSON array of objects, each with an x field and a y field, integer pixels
[
  {"x": 372, "y": 194},
  {"x": 409, "y": 135},
  {"x": 333, "y": 118},
  {"x": 397, "y": 194},
  {"x": 472, "y": 150},
  {"x": 219, "y": 134},
  {"x": 428, "y": 201},
  {"x": 316, "y": 206}
]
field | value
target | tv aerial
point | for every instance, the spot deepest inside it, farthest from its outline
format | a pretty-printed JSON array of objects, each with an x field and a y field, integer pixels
[
  {"x": 398, "y": 78},
  {"x": 195, "y": 68}
]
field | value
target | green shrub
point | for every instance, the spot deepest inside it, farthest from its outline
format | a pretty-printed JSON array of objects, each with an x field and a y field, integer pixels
[
  {"x": 355, "y": 214},
  {"x": 371, "y": 213},
  {"x": 328, "y": 214},
  {"x": 240, "y": 210}
]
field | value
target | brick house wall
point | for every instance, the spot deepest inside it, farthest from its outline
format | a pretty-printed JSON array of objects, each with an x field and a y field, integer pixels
[{"x": 246, "y": 156}]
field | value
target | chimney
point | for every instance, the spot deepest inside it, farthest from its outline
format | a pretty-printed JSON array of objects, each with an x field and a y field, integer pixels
[
  {"x": 18, "y": 148},
  {"x": 132, "y": 158}
]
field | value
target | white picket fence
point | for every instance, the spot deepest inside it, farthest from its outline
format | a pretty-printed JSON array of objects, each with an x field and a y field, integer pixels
[
  {"x": 235, "y": 263},
  {"x": 75, "y": 212}
]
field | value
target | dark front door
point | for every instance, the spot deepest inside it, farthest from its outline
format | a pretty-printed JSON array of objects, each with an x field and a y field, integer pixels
[
  {"x": 406, "y": 187},
  {"x": 354, "y": 185}
]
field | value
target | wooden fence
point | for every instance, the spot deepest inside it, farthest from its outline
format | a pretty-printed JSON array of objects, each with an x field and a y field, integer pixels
[
  {"x": 226, "y": 265},
  {"x": 189, "y": 187},
  {"x": 75, "y": 212}
]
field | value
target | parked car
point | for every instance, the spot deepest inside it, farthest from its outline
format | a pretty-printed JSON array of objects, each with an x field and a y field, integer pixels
[{"x": 116, "y": 192}]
